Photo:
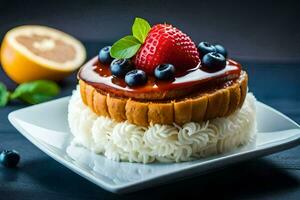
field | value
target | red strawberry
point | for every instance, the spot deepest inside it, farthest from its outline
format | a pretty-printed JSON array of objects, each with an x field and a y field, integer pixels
[{"x": 166, "y": 44}]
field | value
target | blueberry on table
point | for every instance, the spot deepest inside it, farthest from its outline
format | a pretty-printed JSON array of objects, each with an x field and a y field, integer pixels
[
  {"x": 220, "y": 49},
  {"x": 104, "y": 55},
  {"x": 164, "y": 72},
  {"x": 120, "y": 67},
  {"x": 214, "y": 60},
  {"x": 9, "y": 158},
  {"x": 204, "y": 48},
  {"x": 136, "y": 77}
]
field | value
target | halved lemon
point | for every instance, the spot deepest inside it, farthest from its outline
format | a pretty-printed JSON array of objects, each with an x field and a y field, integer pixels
[{"x": 37, "y": 52}]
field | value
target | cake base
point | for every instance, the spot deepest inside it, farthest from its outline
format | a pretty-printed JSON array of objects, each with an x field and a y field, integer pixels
[
  {"x": 123, "y": 141},
  {"x": 204, "y": 104}
]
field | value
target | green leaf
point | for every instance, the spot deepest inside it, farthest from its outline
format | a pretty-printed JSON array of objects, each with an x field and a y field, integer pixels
[
  {"x": 126, "y": 47},
  {"x": 4, "y": 95},
  {"x": 36, "y": 91},
  {"x": 140, "y": 29}
]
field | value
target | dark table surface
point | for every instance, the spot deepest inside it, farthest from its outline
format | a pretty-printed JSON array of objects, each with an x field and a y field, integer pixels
[{"x": 275, "y": 176}]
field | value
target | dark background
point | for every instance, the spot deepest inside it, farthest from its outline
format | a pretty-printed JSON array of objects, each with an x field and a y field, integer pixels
[
  {"x": 263, "y": 35},
  {"x": 261, "y": 30}
]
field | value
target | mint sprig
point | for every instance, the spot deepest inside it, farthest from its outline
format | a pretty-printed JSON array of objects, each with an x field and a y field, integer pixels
[
  {"x": 4, "y": 95},
  {"x": 127, "y": 46},
  {"x": 31, "y": 92},
  {"x": 140, "y": 29},
  {"x": 36, "y": 91}
]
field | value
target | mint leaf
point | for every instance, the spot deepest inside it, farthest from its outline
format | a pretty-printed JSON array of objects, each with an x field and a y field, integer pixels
[
  {"x": 126, "y": 47},
  {"x": 140, "y": 29},
  {"x": 36, "y": 91},
  {"x": 4, "y": 95}
]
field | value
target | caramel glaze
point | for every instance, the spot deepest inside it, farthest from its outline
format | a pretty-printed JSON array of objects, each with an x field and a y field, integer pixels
[{"x": 99, "y": 76}]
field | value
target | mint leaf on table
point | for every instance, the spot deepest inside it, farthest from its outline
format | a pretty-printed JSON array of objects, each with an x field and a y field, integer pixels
[
  {"x": 126, "y": 47},
  {"x": 36, "y": 91},
  {"x": 4, "y": 95},
  {"x": 140, "y": 29}
]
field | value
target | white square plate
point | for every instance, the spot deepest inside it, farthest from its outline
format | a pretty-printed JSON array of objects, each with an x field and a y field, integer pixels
[{"x": 46, "y": 126}]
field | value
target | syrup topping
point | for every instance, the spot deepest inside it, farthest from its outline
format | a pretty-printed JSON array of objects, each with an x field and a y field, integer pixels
[{"x": 99, "y": 76}]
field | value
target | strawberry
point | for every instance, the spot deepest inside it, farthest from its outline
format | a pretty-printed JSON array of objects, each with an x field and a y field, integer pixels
[{"x": 166, "y": 44}]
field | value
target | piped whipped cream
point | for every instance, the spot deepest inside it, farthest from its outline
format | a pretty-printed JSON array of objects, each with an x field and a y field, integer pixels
[{"x": 163, "y": 143}]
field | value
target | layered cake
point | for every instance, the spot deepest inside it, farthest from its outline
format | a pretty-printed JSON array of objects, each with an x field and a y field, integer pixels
[{"x": 156, "y": 96}]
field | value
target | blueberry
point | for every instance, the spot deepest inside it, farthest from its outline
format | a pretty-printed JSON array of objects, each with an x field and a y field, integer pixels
[
  {"x": 9, "y": 158},
  {"x": 220, "y": 49},
  {"x": 214, "y": 60},
  {"x": 136, "y": 77},
  {"x": 120, "y": 67},
  {"x": 104, "y": 55},
  {"x": 164, "y": 72},
  {"x": 205, "y": 47}
]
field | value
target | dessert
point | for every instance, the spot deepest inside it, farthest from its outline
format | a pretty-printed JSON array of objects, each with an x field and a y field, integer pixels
[{"x": 156, "y": 96}]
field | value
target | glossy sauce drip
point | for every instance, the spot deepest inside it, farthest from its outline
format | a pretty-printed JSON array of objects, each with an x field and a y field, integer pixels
[{"x": 99, "y": 76}]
